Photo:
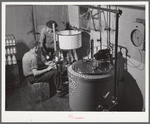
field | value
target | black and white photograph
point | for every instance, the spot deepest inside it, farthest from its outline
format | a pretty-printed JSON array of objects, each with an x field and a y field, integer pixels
[{"x": 75, "y": 61}]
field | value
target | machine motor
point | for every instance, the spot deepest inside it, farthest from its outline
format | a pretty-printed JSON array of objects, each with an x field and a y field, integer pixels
[{"x": 102, "y": 54}]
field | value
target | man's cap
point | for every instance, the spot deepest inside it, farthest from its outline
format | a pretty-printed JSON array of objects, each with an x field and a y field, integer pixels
[{"x": 49, "y": 23}]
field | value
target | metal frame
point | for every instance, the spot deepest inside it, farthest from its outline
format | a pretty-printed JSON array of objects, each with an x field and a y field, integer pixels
[{"x": 118, "y": 13}]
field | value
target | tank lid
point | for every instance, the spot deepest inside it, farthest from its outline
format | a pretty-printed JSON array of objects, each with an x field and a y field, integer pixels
[{"x": 92, "y": 67}]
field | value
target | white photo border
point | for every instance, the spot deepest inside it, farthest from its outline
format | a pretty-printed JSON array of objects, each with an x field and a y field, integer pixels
[{"x": 44, "y": 116}]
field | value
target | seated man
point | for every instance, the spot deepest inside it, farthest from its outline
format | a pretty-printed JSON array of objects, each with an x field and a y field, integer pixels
[{"x": 34, "y": 74}]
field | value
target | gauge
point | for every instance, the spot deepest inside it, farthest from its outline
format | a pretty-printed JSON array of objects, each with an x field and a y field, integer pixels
[{"x": 136, "y": 38}]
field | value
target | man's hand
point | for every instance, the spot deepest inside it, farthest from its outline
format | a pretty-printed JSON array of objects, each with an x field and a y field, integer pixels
[
  {"x": 51, "y": 66},
  {"x": 49, "y": 62}
]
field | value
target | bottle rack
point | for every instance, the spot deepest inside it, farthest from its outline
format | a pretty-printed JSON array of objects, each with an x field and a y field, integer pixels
[
  {"x": 12, "y": 71},
  {"x": 10, "y": 50}
]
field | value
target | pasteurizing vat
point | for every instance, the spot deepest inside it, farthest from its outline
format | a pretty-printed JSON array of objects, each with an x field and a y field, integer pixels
[{"x": 89, "y": 87}]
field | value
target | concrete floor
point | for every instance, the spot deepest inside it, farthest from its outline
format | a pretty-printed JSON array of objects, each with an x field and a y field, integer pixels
[
  {"x": 128, "y": 94},
  {"x": 18, "y": 100}
]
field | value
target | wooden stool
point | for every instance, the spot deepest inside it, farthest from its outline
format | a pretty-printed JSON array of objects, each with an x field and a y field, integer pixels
[{"x": 39, "y": 91}]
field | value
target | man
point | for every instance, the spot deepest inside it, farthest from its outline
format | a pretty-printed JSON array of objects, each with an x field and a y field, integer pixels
[
  {"x": 47, "y": 41},
  {"x": 47, "y": 44},
  {"x": 34, "y": 74}
]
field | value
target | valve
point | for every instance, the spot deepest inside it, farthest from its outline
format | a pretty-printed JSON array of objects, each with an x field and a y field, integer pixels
[
  {"x": 114, "y": 102},
  {"x": 100, "y": 108}
]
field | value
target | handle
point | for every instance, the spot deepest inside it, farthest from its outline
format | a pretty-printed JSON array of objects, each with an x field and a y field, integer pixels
[{"x": 33, "y": 32}]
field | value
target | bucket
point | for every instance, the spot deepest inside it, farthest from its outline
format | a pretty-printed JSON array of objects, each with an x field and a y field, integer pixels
[{"x": 69, "y": 39}]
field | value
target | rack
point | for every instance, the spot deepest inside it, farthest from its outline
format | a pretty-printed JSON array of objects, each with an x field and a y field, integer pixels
[{"x": 12, "y": 71}]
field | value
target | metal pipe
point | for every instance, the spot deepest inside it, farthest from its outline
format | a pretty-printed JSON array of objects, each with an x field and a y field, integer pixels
[
  {"x": 116, "y": 50},
  {"x": 131, "y": 7},
  {"x": 99, "y": 14},
  {"x": 34, "y": 19},
  {"x": 94, "y": 7},
  {"x": 109, "y": 24},
  {"x": 92, "y": 48},
  {"x": 54, "y": 35},
  {"x": 34, "y": 23},
  {"x": 55, "y": 47},
  {"x": 107, "y": 29}
]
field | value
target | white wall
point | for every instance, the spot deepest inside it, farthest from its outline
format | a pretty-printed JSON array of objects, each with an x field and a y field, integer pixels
[
  {"x": 19, "y": 21},
  {"x": 137, "y": 56}
]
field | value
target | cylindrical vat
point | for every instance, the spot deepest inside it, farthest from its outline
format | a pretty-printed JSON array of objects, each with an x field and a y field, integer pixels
[
  {"x": 87, "y": 91},
  {"x": 69, "y": 39}
]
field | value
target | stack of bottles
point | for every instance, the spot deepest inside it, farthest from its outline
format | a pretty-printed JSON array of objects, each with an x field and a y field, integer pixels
[{"x": 10, "y": 50}]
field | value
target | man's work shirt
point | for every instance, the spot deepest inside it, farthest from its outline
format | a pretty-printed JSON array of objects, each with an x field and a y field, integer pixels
[
  {"x": 46, "y": 38},
  {"x": 47, "y": 41},
  {"x": 29, "y": 62},
  {"x": 47, "y": 55}
]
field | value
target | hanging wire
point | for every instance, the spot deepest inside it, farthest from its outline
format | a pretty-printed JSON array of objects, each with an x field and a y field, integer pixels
[{"x": 137, "y": 66}]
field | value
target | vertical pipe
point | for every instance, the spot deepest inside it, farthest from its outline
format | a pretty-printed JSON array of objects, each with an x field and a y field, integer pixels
[
  {"x": 55, "y": 48},
  {"x": 107, "y": 28},
  {"x": 35, "y": 24},
  {"x": 92, "y": 48},
  {"x": 75, "y": 54},
  {"x": 116, "y": 50},
  {"x": 54, "y": 36},
  {"x": 99, "y": 13},
  {"x": 109, "y": 23},
  {"x": 69, "y": 57}
]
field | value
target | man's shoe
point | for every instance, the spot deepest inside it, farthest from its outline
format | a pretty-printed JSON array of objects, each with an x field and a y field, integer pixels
[
  {"x": 66, "y": 82},
  {"x": 63, "y": 92}
]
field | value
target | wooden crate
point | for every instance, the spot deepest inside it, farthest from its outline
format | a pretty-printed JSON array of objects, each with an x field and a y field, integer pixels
[
  {"x": 39, "y": 91},
  {"x": 12, "y": 76}
]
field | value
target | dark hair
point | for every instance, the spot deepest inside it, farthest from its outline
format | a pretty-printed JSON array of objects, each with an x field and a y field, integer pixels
[
  {"x": 49, "y": 23},
  {"x": 33, "y": 43}
]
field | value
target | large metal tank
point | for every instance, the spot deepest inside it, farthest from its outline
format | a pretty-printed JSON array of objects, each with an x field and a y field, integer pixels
[{"x": 89, "y": 86}]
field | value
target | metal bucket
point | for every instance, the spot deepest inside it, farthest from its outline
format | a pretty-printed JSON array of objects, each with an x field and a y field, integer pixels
[{"x": 69, "y": 39}]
